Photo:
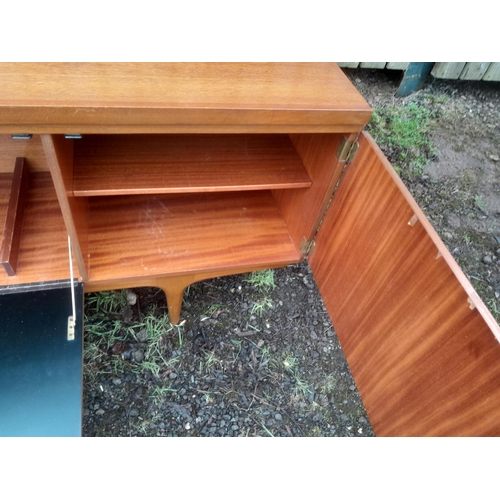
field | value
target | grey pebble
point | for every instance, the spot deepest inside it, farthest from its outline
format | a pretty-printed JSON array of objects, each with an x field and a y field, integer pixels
[
  {"x": 487, "y": 259},
  {"x": 134, "y": 413},
  {"x": 278, "y": 417},
  {"x": 117, "y": 381},
  {"x": 138, "y": 356}
]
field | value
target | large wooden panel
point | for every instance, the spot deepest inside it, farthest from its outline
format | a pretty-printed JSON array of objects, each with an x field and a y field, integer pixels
[
  {"x": 449, "y": 70},
  {"x": 423, "y": 348},
  {"x": 493, "y": 73},
  {"x": 178, "y": 97},
  {"x": 137, "y": 236},
  {"x": 474, "y": 71},
  {"x": 153, "y": 164}
]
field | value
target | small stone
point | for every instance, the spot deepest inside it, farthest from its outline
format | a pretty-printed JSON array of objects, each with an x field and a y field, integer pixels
[
  {"x": 131, "y": 298},
  {"x": 187, "y": 426},
  {"x": 352, "y": 387},
  {"x": 494, "y": 158},
  {"x": 138, "y": 356},
  {"x": 487, "y": 259},
  {"x": 134, "y": 413},
  {"x": 278, "y": 417},
  {"x": 100, "y": 412},
  {"x": 313, "y": 335},
  {"x": 447, "y": 236},
  {"x": 117, "y": 381},
  {"x": 142, "y": 335},
  {"x": 362, "y": 420},
  {"x": 172, "y": 375}
]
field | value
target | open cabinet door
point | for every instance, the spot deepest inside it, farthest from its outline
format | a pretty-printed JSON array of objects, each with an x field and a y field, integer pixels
[
  {"x": 41, "y": 362},
  {"x": 423, "y": 348}
]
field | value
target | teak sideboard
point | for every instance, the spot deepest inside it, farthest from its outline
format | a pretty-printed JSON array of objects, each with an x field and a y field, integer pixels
[{"x": 166, "y": 174}]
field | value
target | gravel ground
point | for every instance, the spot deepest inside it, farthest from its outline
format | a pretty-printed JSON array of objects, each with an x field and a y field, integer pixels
[{"x": 251, "y": 360}]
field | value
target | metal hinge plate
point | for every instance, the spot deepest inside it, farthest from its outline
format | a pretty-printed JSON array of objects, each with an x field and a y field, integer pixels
[
  {"x": 71, "y": 328},
  {"x": 347, "y": 150},
  {"x": 307, "y": 246}
]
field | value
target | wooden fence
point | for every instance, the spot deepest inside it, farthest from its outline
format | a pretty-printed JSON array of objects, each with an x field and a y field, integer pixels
[{"x": 487, "y": 71}]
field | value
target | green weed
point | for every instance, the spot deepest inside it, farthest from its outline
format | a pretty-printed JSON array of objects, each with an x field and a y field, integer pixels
[
  {"x": 479, "y": 203},
  {"x": 494, "y": 308},
  {"x": 112, "y": 301},
  {"x": 262, "y": 280},
  {"x": 159, "y": 394},
  {"x": 404, "y": 134},
  {"x": 260, "y": 306}
]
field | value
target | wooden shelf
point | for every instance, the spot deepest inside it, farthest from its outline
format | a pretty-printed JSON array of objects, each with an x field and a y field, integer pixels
[
  {"x": 137, "y": 236},
  {"x": 43, "y": 251},
  {"x": 151, "y": 164}
]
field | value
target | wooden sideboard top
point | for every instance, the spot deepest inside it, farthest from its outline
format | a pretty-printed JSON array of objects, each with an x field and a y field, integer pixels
[{"x": 178, "y": 97}]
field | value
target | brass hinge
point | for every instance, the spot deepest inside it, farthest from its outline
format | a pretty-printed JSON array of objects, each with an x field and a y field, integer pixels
[
  {"x": 307, "y": 246},
  {"x": 347, "y": 150}
]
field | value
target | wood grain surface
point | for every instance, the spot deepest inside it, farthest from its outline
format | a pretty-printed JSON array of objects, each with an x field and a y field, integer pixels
[
  {"x": 59, "y": 153},
  {"x": 302, "y": 209},
  {"x": 178, "y": 97},
  {"x": 425, "y": 363},
  {"x": 153, "y": 164},
  {"x": 43, "y": 250},
  {"x": 31, "y": 150},
  {"x": 136, "y": 236},
  {"x": 9, "y": 247}
]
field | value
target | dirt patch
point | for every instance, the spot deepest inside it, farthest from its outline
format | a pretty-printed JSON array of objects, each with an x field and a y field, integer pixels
[
  {"x": 247, "y": 361},
  {"x": 458, "y": 188}
]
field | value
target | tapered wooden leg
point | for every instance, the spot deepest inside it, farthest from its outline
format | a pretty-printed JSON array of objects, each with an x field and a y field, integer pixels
[
  {"x": 173, "y": 286},
  {"x": 174, "y": 290}
]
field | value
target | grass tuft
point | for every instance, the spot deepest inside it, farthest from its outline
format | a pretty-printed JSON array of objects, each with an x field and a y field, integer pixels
[
  {"x": 404, "y": 135},
  {"x": 262, "y": 280}
]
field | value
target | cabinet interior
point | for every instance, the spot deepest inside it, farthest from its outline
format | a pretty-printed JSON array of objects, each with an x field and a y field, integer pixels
[{"x": 139, "y": 206}]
